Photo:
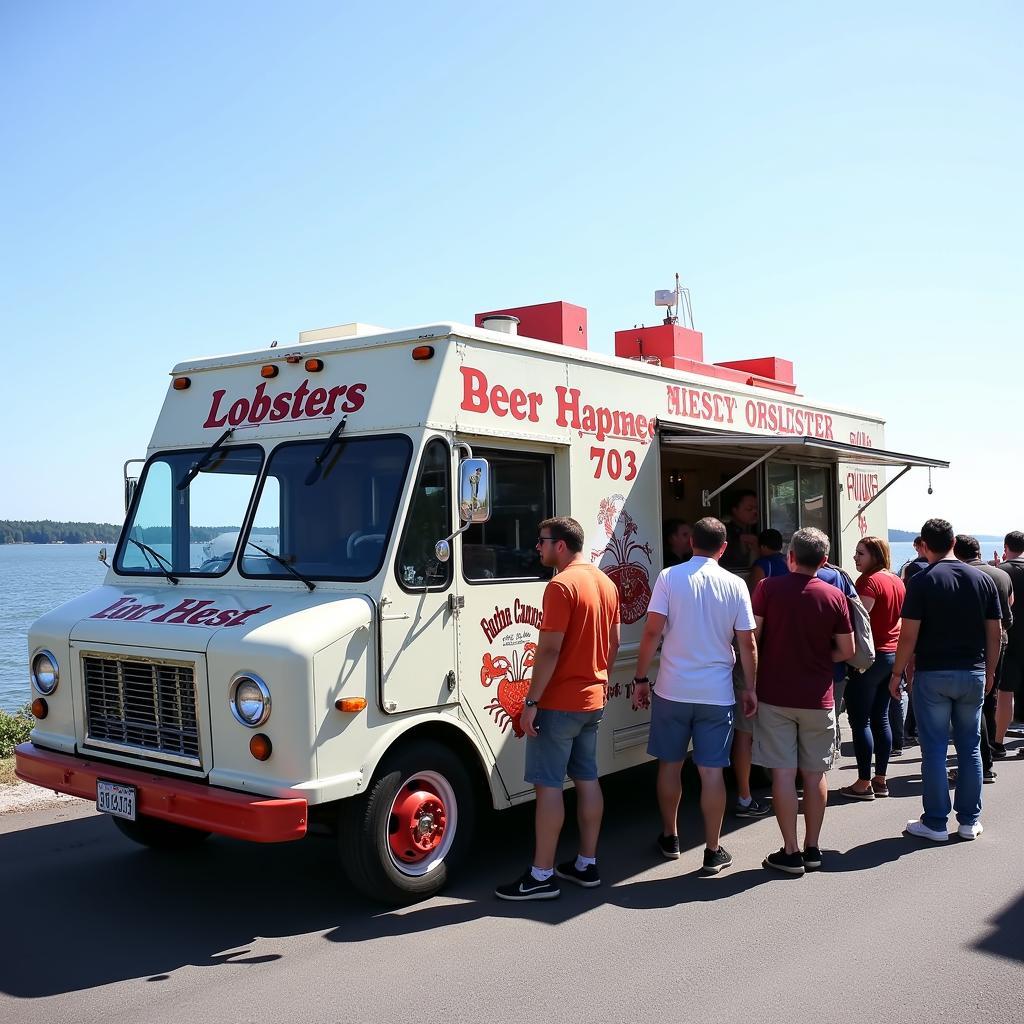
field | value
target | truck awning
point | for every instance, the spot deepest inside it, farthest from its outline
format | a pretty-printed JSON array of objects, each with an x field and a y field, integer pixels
[{"x": 761, "y": 447}]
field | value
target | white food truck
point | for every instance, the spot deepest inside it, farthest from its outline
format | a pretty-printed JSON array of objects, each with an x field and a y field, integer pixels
[{"x": 323, "y": 607}]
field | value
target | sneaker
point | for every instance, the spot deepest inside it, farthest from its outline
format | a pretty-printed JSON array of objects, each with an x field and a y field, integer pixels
[
  {"x": 989, "y": 777},
  {"x": 588, "y": 877},
  {"x": 790, "y": 863},
  {"x": 715, "y": 860},
  {"x": 528, "y": 888},
  {"x": 755, "y": 809},
  {"x": 669, "y": 846},
  {"x": 880, "y": 788},
  {"x": 922, "y": 831},
  {"x": 970, "y": 831},
  {"x": 1020, "y": 754},
  {"x": 812, "y": 858},
  {"x": 857, "y": 794},
  {"x": 998, "y": 751},
  {"x": 897, "y": 753}
]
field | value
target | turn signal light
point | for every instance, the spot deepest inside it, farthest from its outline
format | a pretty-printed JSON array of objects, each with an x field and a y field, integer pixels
[
  {"x": 260, "y": 746},
  {"x": 268, "y": 371},
  {"x": 350, "y": 704},
  {"x": 181, "y": 383},
  {"x": 41, "y": 709},
  {"x": 314, "y": 365},
  {"x": 423, "y": 352}
]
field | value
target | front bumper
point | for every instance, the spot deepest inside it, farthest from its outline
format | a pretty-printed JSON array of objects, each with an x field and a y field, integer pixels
[{"x": 223, "y": 811}]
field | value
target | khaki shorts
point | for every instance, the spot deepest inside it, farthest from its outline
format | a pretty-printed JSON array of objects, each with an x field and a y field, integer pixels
[
  {"x": 794, "y": 738},
  {"x": 740, "y": 721}
]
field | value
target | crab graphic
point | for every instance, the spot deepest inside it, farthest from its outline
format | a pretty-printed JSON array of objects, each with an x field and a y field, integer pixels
[
  {"x": 631, "y": 578},
  {"x": 513, "y": 679}
]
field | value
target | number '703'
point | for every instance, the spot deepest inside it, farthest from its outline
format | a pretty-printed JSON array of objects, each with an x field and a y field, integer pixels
[{"x": 612, "y": 463}]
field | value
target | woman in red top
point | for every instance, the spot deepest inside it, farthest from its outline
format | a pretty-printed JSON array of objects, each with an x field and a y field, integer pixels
[{"x": 867, "y": 693}]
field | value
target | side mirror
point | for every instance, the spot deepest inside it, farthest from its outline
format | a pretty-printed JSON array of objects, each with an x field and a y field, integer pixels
[
  {"x": 103, "y": 556},
  {"x": 130, "y": 483},
  {"x": 474, "y": 491}
]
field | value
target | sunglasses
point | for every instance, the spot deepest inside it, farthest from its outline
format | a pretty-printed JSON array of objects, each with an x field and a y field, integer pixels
[{"x": 541, "y": 540}]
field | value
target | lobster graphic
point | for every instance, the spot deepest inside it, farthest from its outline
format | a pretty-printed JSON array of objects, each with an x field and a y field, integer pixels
[
  {"x": 631, "y": 578},
  {"x": 513, "y": 679}
]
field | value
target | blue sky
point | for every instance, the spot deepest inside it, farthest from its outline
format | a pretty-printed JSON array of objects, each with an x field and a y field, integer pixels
[{"x": 840, "y": 187}]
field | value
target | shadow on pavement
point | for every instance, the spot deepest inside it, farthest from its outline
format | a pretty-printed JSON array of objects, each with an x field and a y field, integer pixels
[{"x": 1007, "y": 938}]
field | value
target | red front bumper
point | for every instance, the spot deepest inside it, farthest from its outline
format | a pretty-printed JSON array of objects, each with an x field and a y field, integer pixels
[{"x": 223, "y": 811}]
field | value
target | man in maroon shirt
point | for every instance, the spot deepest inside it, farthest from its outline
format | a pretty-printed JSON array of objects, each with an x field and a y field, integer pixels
[{"x": 803, "y": 628}]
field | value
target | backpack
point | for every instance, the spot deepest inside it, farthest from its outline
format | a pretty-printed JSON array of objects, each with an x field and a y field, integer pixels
[{"x": 864, "y": 644}]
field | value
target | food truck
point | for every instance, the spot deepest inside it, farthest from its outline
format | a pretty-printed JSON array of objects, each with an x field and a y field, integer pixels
[{"x": 323, "y": 608}]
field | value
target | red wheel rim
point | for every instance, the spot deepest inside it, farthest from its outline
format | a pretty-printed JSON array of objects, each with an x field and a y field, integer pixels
[{"x": 418, "y": 822}]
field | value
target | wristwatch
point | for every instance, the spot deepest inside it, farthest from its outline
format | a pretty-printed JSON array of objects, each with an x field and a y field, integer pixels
[
  {"x": 641, "y": 679},
  {"x": 529, "y": 703}
]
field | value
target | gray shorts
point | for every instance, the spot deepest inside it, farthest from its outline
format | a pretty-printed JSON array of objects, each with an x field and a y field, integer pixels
[
  {"x": 674, "y": 723},
  {"x": 565, "y": 744}
]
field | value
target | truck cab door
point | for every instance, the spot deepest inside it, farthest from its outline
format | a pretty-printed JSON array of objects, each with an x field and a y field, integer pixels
[{"x": 418, "y": 608}]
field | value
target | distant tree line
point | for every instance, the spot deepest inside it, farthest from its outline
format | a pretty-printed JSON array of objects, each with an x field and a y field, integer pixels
[{"x": 46, "y": 531}]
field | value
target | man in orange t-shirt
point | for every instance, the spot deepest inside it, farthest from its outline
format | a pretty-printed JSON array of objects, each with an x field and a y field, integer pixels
[{"x": 563, "y": 707}]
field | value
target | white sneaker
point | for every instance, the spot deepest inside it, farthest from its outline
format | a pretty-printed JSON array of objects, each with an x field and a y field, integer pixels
[
  {"x": 970, "y": 831},
  {"x": 922, "y": 831}
]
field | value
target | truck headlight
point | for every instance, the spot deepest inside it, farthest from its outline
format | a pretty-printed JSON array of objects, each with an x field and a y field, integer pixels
[
  {"x": 45, "y": 674},
  {"x": 249, "y": 700}
]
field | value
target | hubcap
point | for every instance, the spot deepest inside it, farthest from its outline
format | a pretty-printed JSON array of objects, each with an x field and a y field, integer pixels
[{"x": 422, "y": 823}]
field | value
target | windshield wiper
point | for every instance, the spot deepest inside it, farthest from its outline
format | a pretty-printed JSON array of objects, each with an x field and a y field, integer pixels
[
  {"x": 147, "y": 551},
  {"x": 314, "y": 473},
  {"x": 196, "y": 467},
  {"x": 277, "y": 558}
]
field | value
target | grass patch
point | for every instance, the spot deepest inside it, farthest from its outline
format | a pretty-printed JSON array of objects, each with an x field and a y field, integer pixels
[
  {"x": 7, "y": 772},
  {"x": 14, "y": 729}
]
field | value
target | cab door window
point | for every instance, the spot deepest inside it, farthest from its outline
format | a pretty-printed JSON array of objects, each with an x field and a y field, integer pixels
[
  {"x": 505, "y": 547},
  {"x": 798, "y": 497},
  {"x": 428, "y": 521}
]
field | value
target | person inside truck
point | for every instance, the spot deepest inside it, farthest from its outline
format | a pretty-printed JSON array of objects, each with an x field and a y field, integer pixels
[
  {"x": 741, "y": 531},
  {"x": 678, "y": 547}
]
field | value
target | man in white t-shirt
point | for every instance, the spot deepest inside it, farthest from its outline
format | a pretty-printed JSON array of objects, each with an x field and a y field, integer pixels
[{"x": 700, "y": 608}]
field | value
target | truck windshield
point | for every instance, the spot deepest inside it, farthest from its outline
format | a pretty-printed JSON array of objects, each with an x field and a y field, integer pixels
[
  {"x": 192, "y": 531},
  {"x": 334, "y": 525}
]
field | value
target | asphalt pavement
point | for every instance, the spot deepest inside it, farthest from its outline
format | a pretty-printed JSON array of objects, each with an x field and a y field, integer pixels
[{"x": 893, "y": 929}]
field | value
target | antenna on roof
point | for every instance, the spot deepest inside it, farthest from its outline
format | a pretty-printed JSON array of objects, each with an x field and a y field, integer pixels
[{"x": 675, "y": 299}]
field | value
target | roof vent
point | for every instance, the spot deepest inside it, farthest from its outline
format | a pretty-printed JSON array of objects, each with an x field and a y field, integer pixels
[{"x": 501, "y": 322}]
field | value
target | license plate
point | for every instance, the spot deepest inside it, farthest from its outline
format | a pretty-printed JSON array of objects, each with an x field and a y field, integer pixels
[{"x": 115, "y": 798}]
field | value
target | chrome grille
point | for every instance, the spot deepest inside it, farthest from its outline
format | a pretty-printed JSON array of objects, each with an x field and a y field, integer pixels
[{"x": 143, "y": 706}]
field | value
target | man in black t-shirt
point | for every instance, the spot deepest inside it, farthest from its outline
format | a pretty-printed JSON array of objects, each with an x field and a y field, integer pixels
[
  {"x": 912, "y": 568},
  {"x": 951, "y": 625},
  {"x": 1012, "y": 682}
]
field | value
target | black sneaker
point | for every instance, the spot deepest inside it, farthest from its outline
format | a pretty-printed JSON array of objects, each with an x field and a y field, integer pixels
[
  {"x": 755, "y": 809},
  {"x": 790, "y": 863},
  {"x": 998, "y": 751},
  {"x": 812, "y": 858},
  {"x": 528, "y": 888},
  {"x": 588, "y": 877},
  {"x": 989, "y": 776},
  {"x": 669, "y": 846},
  {"x": 715, "y": 860}
]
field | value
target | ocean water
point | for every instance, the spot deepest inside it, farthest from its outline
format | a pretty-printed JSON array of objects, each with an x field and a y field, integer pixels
[
  {"x": 34, "y": 578},
  {"x": 37, "y": 577}
]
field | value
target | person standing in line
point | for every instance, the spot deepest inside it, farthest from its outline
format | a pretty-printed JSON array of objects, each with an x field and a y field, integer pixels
[
  {"x": 576, "y": 649},
  {"x": 803, "y": 629},
  {"x": 867, "y": 693},
  {"x": 700, "y": 609},
  {"x": 1012, "y": 683},
  {"x": 968, "y": 550},
  {"x": 678, "y": 545},
  {"x": 772, "y": 561},
  {"x": 915, "y": 565},
  {"x": 951, "y": 624},
  {"x": 835, "y": 577}
]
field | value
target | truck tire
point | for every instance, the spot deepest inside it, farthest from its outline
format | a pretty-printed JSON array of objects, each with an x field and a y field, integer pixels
[
  {"x": 399, "y": 840},
  {"x": 158, "y": 834}
]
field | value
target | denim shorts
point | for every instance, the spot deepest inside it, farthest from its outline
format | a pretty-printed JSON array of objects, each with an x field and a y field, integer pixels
[
  {"x": 674, "y": 723},
  {"x": 565, "y": 744}
]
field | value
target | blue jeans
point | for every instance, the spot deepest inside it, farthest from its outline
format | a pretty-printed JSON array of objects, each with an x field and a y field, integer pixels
[
  {"x": 867, "y": 706},
  {"x": 941, "y": 698},
  {"x": 565, "y": 744}
]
